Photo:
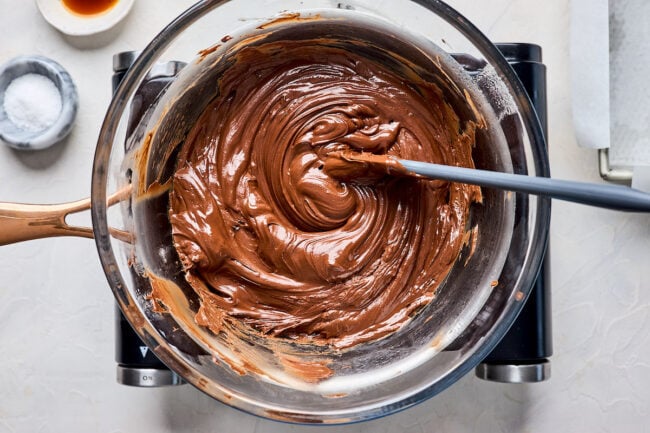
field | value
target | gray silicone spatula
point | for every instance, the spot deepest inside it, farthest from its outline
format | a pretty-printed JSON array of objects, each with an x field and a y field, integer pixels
[{"x": 614, "y": 197}]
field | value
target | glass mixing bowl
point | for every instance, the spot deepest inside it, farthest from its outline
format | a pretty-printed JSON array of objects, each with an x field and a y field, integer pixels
[{"x": 472, "y": 309}]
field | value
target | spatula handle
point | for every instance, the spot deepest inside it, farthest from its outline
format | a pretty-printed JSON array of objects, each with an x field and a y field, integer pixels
[{"x": 615, "y": 197}]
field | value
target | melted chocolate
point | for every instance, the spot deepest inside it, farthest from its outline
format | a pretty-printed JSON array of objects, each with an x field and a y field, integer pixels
[{"x": 271, "y": 239}]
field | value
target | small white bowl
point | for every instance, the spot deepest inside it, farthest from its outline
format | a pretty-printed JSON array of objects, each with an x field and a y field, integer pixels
[
  {"x": 29, "y": 140},
  {"x": 78, "y": 25}
]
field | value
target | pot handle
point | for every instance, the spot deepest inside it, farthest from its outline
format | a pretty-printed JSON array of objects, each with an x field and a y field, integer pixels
[{"x": 23, "y": 222}]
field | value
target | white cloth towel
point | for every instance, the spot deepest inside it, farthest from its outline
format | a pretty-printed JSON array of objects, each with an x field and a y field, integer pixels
[
  {"x": 630, "y": 76},
  {"x": 589, "y": 50}
]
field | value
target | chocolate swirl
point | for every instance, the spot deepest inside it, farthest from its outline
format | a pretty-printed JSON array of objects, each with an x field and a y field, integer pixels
[{"x": 271, "y": 240}]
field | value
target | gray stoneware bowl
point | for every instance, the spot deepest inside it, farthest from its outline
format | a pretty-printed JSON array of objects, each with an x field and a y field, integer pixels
[{"x": 30, "y": 140}]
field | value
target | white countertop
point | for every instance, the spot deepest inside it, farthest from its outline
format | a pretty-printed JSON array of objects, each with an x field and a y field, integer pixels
[{"x": 56, "y": 311}]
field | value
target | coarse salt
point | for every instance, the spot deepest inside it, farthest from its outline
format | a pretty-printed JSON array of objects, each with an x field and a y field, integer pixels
[{"x": 32, "y": 102}]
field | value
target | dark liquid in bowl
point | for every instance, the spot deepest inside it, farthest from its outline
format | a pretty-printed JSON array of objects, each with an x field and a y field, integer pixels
[
  {"x": 271, "y": 239},
  {"x": 89, "y": 7}
]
